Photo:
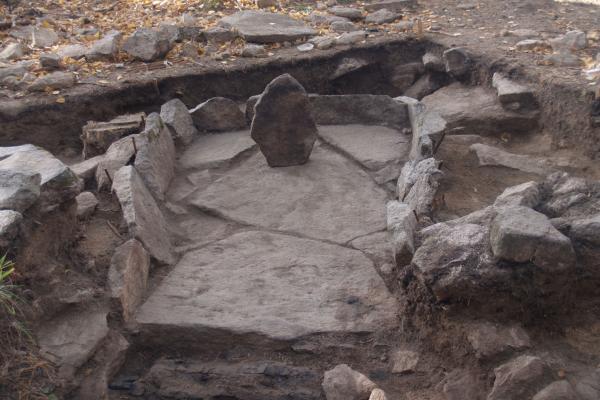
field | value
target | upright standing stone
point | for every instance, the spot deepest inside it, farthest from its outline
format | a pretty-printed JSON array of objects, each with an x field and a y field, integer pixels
[{"x": 283, "y": 125}]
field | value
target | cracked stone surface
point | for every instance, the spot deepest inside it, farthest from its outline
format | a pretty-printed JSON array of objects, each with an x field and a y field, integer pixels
[
  {"x": 327, "y": 198},
  {"x": 292, "y": 287},
  {"x": 212, "y": 151},
  {"x": 373, "y": 146}
]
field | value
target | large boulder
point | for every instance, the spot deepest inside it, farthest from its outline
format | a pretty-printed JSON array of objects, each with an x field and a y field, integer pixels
[
  {"x": 18, "y": 190},
  {"x": 106, "y": 48},
  {"x": 142, "y": 215},
  {"x": 283, "y": 125},
  {"x": 265, "y": 27},
  {"x": 526, "y": 194},
  {"x": 218, "y": 114},
  {"x": 344, "y": 383},
  {"x": 520, "y": 234},
  {"x": 177, "y": 117}
]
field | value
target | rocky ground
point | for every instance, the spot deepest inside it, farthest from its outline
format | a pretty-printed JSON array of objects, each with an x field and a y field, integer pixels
[{"x": 390, "y": 200}]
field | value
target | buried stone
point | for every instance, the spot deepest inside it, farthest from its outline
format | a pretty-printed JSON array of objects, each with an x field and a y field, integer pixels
[{"x": 283, "y": 126}]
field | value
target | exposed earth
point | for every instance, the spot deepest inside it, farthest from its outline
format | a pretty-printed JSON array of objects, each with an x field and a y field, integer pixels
[{"x": 273, "y": 200}]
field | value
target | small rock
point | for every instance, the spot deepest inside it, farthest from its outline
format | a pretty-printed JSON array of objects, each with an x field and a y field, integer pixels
[
  {"x": 520, "y": 234},
  {"x": 128, "y": 276},
  {"x": 526, "y": 194},
  {"x": 87, "y": 169},
  {"x": 531, "y": 44},
  {"x": 348, "y": 65},
  {"x": 433, "y": 63},
  {"x": 306, "y": 47},
  {"x": 461, "y": 385},
  {"x": 346, "y": 12},
  {"x": 343, "y": 26},
  {"x": 425, "y": 85},
  {"x": 218, "y": 34},
  {"x": 106, "y": 48},
  {"x": 50, "y": 61},
  {"x": 524, "y": 33},
  {"x": 404, "y": 361},
  {"x": 489, "y": 340},
  {"x": 564, "y": 59},
  {"x": 457, "y": 61},
  {"x": 466, "y": 6},
  {"x": 10, "y": 222},
  {"x": 377, "y": 394},
  {"x": 118, "y": 154},
  {"x": 343, "y": 383},
  {"x": 323, "y": 42},
  {"x": 98, "y": 136},
  {"x": 53, "y": 81},
  {"x": 572, "y": 40},
  {"x": 587, "y": 229},
  {"x": 254, "y": 50},
  {"x": 43, "y": 37},
  {"x": 559, "y": 390},
  {"x": 177, "y": 117},
  {"x": 283, "y": 125},
  {"x": 173, "y": 33},
  {"x": 512, "y": 94},
  {"x": 266, "y": 3},
  {"x": 218, "y": 114},
  {"x": 401, "y": 223},
  {"x": 74, "y": 51},
  {"x": 12, "y": 51},
  {"x": 404, "y": 26},
  {"x": 86, "y": 204},
  {"x": 264, "y": 27},
  {"x": 351, "y": 38},
  {"x": 382, "y": 16},
  {"x": 146, "y": 45},
  {"x": 18, "y": 191},
  {"x": 519, "y": 378}
]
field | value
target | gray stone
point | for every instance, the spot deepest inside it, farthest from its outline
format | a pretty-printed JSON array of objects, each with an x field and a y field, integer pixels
[
  {"x": 327, "y": 198},
  {"x": 17, "y": 70},
  {"x": 376, "y": 246},
  {"x": 283, "y": 126},
  {"x": 86, "y": 204},
  {"x": 559, "y": 390},
  {"x": 348, "y": 65},
  {"x": 50, "y": 61},
  {"x": 519, "y": 378},
  {"x": 401, "y": 223},
  {"x": 118, "y": 154},
  {"x": 588, "y": 386},
  {"x": 292, "y": 288},
  {"x": 572, "y": 40},
  {"x": 526, "y": 194},
  {"x": 375, "y": 147},
  {"x": 218, "y": 114},
  {"x": 155, "y": 157},
  {"x": 452, "y": 260},
  {"x": 74, "y": 51},
  {"x": 433, "y": 62},
  {"x": 531, "y": 44},
  {"x": 457, "y": 61},
  {"x": 55, "y": 81},
  {"x": 254, "y": 51},
  {"x": 477, "y": 110},
  {"x": 418, "y": 185},
  {"x": 146, "y": 45},
  {"x": 404, "y": 26},
  {"x": 378, "y": 394},
  {"x": 524, "y": 33},
  {"x": 404, "y": 361},
  {"x": 512, "y": 94},
  {"x": 587, "y": 229},
  {"x": 10, "y": 225},
  {"x": 43, "y": 37},
  {"x": 564, "y": 59},
  {"x": 265, "y": 27},
  {"x": 324, "y": 19},
  {"x": 71, "y": 340},
  {"x": 366, "y": 109},
  {"x": 177, "y": 117},
  {"x": 218, "y": 34},
  {"x": 346, "y": 12},
  {"x": 492, "y": 156},
  {"x": 520, "y": 234},
  {"x": 489, "y": 340},
  {"x": 343, "y": 26},
  {"x": 58, "y": 182},
  {"x": 427, "y": 126},
  {"x": 351, "y": 38},
  {"x": 18, "y": 190},
  {"x": 214, "y": 151},
  {"x": 382, "y": 16},
  {"x": 12, "y": 51},
  {"x": 173, "y": 33},
  {"x": 344, "y": 383},
  {"x": 323, "y": 42},
  {"x": 128, "y": 277},
  {"x": 8, "y": 151},
  {"x": 424, "y": 86},
  {"x": 143, "y": 217},
  {"x": 460, "y": 385},
  {"x": 392, "y": 5},
  {"x": 106, "y": 48},
  {"x": 98, "y": 136}
]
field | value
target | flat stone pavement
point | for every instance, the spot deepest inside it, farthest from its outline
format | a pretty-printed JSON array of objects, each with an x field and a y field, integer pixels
[{"x": 288, "y": 270}]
